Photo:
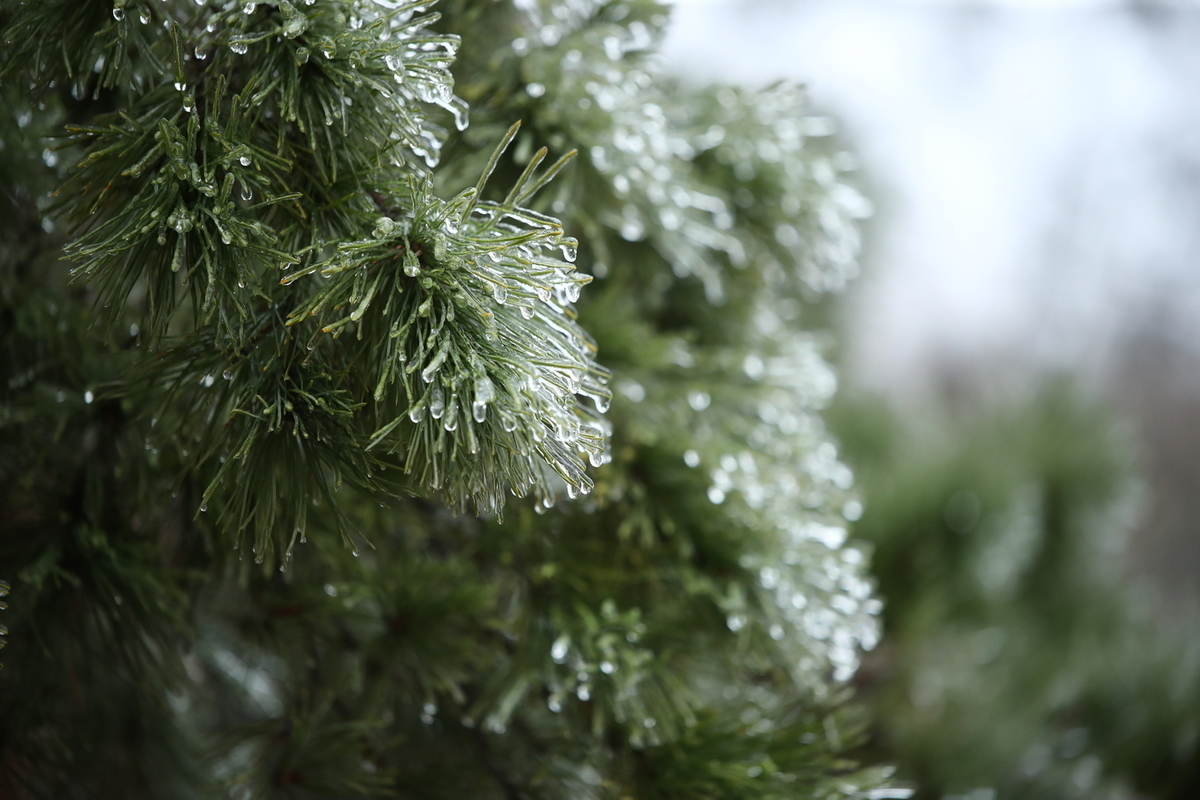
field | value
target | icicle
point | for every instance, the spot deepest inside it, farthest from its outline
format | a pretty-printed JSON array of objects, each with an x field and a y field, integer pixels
[
  {"x": 484, "y": 393},
  {"x": 437, "y": 403},
  {"x": 431, "y": 369}
]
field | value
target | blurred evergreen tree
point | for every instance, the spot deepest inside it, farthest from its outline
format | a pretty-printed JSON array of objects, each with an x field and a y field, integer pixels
[
  {"x": 1017, "y": 661},
  {"x": 309, "y": 481}
]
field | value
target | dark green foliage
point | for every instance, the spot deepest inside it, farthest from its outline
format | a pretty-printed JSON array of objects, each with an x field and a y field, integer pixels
[
  {"x": 1015, "y": 662},
  {"x": 256, "y": 299}
]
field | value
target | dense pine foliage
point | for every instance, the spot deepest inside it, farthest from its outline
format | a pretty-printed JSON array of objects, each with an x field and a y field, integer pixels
[{"x": 358, "y": 440}]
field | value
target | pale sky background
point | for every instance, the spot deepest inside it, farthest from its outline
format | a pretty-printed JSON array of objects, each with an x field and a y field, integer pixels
[{"x": 1036, "y": 165}]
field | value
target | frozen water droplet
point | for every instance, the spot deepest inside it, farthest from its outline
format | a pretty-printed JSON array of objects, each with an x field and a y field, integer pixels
[
  {"x": 753, "y": 366},
  {"x": 715, "y": 496},
  {"x": 249, "y": 8},
  {"x": 735, "y": 622},
  {"x": 239, "y": 47},
  {"x": 691, "y": 458},
  {"x": 608, "y": 667},
  {"x": 435, "y": 363},
  {"x": 88, "y": 397},
  {"x": 206, "y": 381},
  {"x": 632, "y": 230},
  {"x": 247, "y": 194},
  {"x": 569, "y": 252},
  {"x": 118, "y": 14},
  {"x": 244, "y": 161},
  {"x": 535, "y": 90},
  {"x": 227, "y": 374},
  {"x": 500, "y": 293},
  {"x": 633, "y": 390},
  {"x": 484, "y": 395},
  {"x": 437, "y": 403},
  {"x": 852, "y": 511},
  {"x": 461, "y": 113},
  {"x": 296, "y": 25},
  {"x": 558, "y": 651},
  {"x": 203, "y": 506},
  {"x": 180, "y": 86},
  {"x": 583, "y": 692},
  {"x": 383, "y": 227}
]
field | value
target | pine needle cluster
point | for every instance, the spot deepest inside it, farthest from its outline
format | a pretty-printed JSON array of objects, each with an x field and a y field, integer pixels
[{"x": 349, "y": 449}]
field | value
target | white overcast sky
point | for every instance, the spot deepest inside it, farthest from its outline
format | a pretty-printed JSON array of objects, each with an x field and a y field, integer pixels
[{"x": 1036, "y": 165}]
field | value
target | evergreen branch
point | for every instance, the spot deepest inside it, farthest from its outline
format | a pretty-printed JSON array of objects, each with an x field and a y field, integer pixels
[
  {"x": 179, "y": 227},
  {"x": 467, "y": 296},
  {"x": 88, "y": 45},
  {"x": 274, "y": 423}
]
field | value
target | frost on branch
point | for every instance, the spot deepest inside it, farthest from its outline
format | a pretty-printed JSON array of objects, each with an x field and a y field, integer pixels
[
  {"x": 794, "y": 211},
  {"x": 592, "y": 80},
  {"x": 465, "y": 310},
  {"x": 362, "y": 70},
  {"x": 265, "y": 124}
]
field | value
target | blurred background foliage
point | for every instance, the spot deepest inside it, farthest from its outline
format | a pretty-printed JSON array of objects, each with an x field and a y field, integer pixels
[{"x": 1018, "y": 659}]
